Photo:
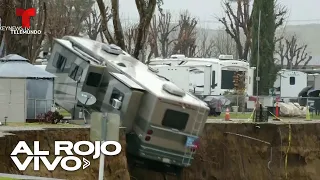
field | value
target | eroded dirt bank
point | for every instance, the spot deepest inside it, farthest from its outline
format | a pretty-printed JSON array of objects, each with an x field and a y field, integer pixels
[
  {"x": 115, "y": 167},
  {"x": 222, "y": 156}
]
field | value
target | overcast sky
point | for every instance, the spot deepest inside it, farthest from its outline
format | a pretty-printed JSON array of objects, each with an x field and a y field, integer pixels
[{"x": 300, "y": 12}]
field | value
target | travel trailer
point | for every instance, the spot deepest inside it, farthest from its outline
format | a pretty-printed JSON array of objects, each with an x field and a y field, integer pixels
[
  {"x": 289, "y": 83},
  {"x": 162, "y": 121},
  {"x": 222, "y": 72},
  {"x": 195, "y": 79}
]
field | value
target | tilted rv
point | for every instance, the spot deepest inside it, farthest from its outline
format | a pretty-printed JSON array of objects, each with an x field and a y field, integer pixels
[{"x": 162, "y": 121}]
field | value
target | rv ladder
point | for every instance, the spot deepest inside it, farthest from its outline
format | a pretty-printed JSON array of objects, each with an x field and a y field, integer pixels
[{"x": 198, "y": 122}]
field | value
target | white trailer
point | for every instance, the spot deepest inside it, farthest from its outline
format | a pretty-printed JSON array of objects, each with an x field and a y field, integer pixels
[
  {"x": 195, "y": 79},
  {"x": 221, "y": 73},
  {"x": 289, "y": 83}
]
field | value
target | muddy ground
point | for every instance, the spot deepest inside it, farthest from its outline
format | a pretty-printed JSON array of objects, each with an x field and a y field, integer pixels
[
  {"x": 225, "y": 154},
  {"x": 115, "y": 166},
  {"x": 228, "y": 151}
]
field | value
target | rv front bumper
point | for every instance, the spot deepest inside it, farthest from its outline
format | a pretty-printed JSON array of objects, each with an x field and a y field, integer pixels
[
  {"x": 159, "y": 154},
  {"x": 165, "y": 156}
]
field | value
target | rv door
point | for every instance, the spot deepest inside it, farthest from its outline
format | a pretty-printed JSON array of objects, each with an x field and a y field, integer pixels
[{"x": 207, "y": 80}]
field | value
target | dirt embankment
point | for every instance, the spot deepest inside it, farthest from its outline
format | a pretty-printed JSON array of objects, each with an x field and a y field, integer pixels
[
  {"x": 115, "y": 167},
  {"x": 222, "y": 156}
]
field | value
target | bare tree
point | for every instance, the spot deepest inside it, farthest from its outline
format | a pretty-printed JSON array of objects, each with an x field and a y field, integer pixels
[
  {"x": 25, "y": 45},
  {"x": 93, "y": 23},
  {"x": 206, "y": 45},
  {"x": 239, "y": 22},
  {"x": 293, "y": 52},
  {"x": 186, "y": 41},
  {"x": 224, "y": 44},
  {"x": 160, "y": 37},
  {"x": 146, "y": 10},
  {"x": 153, "y": 38},
  {"x": 130, "y": 36},
  {"x": 35, "y": 41},
  {"x": 67, "y": 17},
  {"x": 166, "y": 28},
  {"x": 280, "y": 53},
  {"x": 236, "y": 23}
]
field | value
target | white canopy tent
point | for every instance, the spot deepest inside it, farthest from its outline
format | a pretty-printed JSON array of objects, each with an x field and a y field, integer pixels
[{"x": 25, "y": 90}]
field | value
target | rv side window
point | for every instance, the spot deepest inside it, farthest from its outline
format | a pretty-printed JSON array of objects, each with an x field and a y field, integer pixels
[
  {"x": 116, "y": 94},
  {"x": 75, "y": 72},
  {"x": 59, "y": 61},
  {"x": 213, "y": 79},
  {"x": 93, "y": 79},
  {"x": 292, "y": 80},
  {"x": 175, "y": 119}
]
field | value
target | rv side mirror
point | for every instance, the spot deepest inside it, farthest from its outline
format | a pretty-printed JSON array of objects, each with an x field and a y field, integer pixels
[{"x": 116, "y": 103}]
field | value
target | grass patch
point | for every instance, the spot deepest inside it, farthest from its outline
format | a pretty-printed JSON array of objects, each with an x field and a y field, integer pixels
[
  {"x": 41, "y": 125},
  {"x": 64, "y": 113},
  {"x": 7, "y": 178},
  {"x": 238, "y": 115},
  {"x": 246, "y": 115}
]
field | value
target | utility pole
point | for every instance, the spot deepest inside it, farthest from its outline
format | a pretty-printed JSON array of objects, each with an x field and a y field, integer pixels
[{"x": 258, "y": 58}]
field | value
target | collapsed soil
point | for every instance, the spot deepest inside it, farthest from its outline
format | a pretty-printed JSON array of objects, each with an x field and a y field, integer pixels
[
  {"x": 223, "y": 155},
  {"x": 115, "y": 166}
]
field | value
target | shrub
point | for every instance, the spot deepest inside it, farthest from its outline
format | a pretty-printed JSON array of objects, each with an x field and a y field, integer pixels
[
  {"x": 40, "y": 118},
  {"x": 50, "y": 117}
]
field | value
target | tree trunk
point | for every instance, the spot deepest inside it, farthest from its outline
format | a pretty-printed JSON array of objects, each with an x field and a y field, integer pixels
[
  {"x": 15, "y": 44},
  {"x": 118, "y": 32}
]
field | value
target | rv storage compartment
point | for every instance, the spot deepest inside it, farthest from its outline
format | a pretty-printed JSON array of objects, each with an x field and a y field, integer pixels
[{"x": 123, "y": 96}]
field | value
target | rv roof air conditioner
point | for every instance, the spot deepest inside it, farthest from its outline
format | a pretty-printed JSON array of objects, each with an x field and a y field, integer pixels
[
  {"x": 173, "y": 89},
  {"x": 225, "y": 57},
  {"x": 177, "y": 56},
  {"x": 121, "y": 64},
  {"x": 112, "y": 49}
]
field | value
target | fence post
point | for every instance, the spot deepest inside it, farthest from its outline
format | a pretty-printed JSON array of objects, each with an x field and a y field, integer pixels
[
  {"x": 45, "y": 107},
  {"x": 35, "y": 108},
  {"x": 237, "y": 105}
]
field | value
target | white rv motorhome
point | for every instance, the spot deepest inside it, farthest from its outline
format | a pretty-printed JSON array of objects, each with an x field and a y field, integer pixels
[
  {"x": 289, "y": 83},
  {"x": 162, "y": 121},
  {"x": 221, "y": 76}
]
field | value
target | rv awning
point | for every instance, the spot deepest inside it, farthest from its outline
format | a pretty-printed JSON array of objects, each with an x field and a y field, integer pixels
[
  {"x": 125, "y": 80},
  {"x": 16, "y": 66}
]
